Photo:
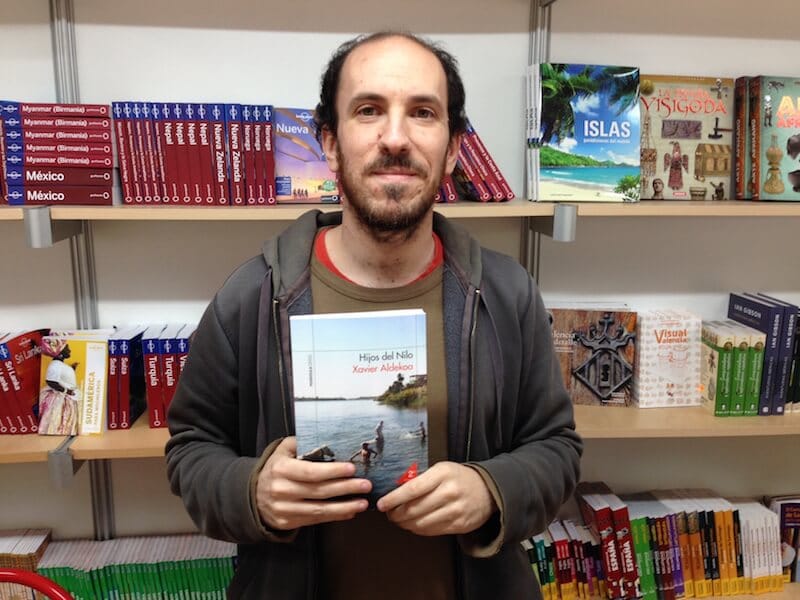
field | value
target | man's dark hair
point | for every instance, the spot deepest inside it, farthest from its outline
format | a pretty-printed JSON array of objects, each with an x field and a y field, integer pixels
[{"x": 325, "y": 116}]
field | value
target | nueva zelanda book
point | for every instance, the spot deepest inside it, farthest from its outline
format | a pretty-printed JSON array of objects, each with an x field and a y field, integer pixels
[
  {"x": 360, "y": 386},
  {"x": 590, "y": 133}
]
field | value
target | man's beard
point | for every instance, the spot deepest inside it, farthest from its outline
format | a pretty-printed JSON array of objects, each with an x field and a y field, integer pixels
[{"x": 397, "y": 214}]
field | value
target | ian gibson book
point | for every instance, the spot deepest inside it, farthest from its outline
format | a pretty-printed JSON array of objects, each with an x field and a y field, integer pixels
[
  {"x": 590, "y": 128},
  {"x": 360, "y": 392}
]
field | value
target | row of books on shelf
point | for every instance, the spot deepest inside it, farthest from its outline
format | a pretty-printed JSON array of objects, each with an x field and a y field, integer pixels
[
  {"x": 610, "y": 133},
  {"x": 184, "y": 153},
  {"x": 177, "y": 566},
  {"x": 85, "y": 382},
  {"x": 745, "y": 365},
  {"x": 667, "y": 544}
]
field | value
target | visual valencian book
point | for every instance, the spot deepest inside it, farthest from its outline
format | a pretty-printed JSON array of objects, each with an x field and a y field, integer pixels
[
  {"x": 360, "y": 392},
  {"x": 589, "y": 133}
]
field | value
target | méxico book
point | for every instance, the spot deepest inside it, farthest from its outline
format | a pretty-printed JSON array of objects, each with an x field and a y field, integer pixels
[
  {"x": 589, "y": 130},
  {"x": 687, "y": 137},
  {"x": 360, "y": 392}
]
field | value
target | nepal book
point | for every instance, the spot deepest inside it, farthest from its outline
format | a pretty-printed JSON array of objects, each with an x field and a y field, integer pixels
[
  {"x": 589, "y": 133},
  {"x": 686, "y": 137},
  {"x": 596, "y": 351},
  {"x": 360, "y": 389},
  {"x": 774, "y": 119},
  {"x": 301, "y": 170}
]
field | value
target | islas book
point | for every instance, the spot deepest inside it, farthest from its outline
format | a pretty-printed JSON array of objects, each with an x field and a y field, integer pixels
[{"x": 360, "y": 386}]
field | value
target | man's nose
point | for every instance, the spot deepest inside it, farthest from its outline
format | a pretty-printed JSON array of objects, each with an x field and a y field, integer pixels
[{"x": 394, "y": 135}]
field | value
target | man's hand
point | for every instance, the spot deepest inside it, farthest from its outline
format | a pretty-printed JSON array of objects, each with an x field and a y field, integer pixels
[
  {"x": 292, "y": 493},
  {"x": 448, "y": 498}
]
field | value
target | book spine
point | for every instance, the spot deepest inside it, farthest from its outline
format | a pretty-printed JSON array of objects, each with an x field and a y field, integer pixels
[
  {"x": 141, "y": 151},
  {"x": 14, "y": 422},
  {"x": 124, "y": 397},
  {"x": 449, "y": 189},
  {"x": 70, "y": 110},
  {"x": 220, "y": 165},
  {"x": 193, "y": 153},
  {"x": 3, "y": 168},
  {"x": 151, "y": 162},
  {"x": 182, "y": 154},
  {"x": 741, "y": 138},
  {"x": 95, "y": 150},
  {"x": 93, "y": 401},
  {"x": 135, "y": 161},
  {"x": 112, "y": 396},
  {"x": 469, "y": 170},
  {"x": 159, "y": 151},
  {"x": 169, "y": 151},
  {"x": 258, "y": 155},
  {"x": 153, "y": 380},
  {"x": 248, "y": 157},
  {"x": 66, "y": 123},
  {"x": 754, "y": 116},
  {"x": 269, "y": 155},
  {"x": 123, "y": 154},
  {"x": 67, "y": 176},
  {"x": 233, "y": 126},
  {"x": 59, "y": 160},
  {"x": 57, "y": 194},
  {"x": 768, "y": 320},
  {"x": 481, "y": 168},
  {"x": 487, "y": 158},
  {"x": 206, "y": 155}
]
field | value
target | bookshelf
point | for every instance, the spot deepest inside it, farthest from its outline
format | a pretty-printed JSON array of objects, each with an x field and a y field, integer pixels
[{"x": 730, "y": 38}]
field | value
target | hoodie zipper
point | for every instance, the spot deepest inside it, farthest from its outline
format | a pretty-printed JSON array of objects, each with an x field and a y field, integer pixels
[
  {"x": 279, "y": 352},
  {"x": 473, "y": 327}
]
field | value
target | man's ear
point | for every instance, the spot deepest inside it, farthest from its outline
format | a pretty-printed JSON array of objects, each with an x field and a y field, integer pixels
[
  {"x": 329, "y": 147},
  {"x": 452, "y": 152}
]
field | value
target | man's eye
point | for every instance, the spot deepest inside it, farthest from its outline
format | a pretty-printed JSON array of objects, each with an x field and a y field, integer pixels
[
  {"x": 424, "y": 113},
  {"x": 367, "y": 111}
]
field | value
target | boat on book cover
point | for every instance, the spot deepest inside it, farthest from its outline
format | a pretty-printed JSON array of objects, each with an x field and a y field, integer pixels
[
  {"x": 360, "y": 392},
  {"x": 589, "y": 133}
]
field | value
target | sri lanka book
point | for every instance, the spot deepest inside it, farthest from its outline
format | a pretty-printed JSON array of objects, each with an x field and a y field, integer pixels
[
  {"x": 589, "y": 136},
  {"x": 360, "y": 392}
]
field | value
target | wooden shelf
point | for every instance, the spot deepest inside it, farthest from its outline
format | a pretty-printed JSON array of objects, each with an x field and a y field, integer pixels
[
  {"x": 615, "y": 422},
  {"x": 10, "y": 213},
  {"x": 688, "y": 208},
  {"x": 27, "y": 448},
  {"x": 282, "y": 212},
  {"x": 137, "y": 442}
]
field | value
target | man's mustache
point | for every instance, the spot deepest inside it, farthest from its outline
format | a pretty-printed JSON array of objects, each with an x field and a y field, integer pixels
[{"x": 392, "y": 161}]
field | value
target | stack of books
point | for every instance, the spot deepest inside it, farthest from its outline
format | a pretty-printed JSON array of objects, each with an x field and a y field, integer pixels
[{"x": 55, "y": 153}]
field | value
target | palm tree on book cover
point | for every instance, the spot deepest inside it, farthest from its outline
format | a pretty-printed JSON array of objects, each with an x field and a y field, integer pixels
[{"x": 559, "y": 87}]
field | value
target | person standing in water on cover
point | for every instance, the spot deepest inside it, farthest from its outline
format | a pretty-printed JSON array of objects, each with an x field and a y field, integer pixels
[{"x": 502, "y": 447}]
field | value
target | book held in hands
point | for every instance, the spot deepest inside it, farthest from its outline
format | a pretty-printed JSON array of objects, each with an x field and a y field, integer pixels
[{"x": 360, "y": 392}]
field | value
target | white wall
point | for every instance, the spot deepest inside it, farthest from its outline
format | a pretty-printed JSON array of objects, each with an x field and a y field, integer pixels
[{"x": 250, "y": 51}]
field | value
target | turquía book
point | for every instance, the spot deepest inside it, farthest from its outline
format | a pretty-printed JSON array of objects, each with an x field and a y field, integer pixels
[{"x": 360, "y": 392}]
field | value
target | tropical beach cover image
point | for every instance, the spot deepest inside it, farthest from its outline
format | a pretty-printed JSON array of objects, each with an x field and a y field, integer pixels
[
  {"x": 360, "y": 392},
  {"x": 590, "y": 128}
]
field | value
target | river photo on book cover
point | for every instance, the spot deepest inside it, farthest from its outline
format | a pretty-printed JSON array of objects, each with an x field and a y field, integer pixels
[{"x": 360, "y": 392}]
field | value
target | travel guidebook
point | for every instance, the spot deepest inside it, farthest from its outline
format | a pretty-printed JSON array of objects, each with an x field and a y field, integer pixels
[
  {"x": 589, "y": 123},
  {"x": 360, "y": 392}
]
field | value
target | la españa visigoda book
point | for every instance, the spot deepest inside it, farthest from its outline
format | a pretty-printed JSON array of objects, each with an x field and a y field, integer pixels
[{"x": 360, "y": 388}]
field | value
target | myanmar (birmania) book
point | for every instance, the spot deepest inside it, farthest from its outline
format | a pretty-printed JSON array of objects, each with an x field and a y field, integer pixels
[
  {"x": 589, "y": 126},
  {"x": 687, "y": 137},
  {"x": 360, "y": 387}
]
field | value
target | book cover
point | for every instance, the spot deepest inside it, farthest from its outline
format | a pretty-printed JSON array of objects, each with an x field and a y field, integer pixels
[
  {"x": 360, "y": 392},
  {"x": 687, "y": 137},
  {"x": 667, "y": 363},
  {"x": 590, "y": 133},
  {"x": 596, "y": 352},
  {"x": 72, "y": 394},
  {"x": 301, "y": 171},
  {"x": 774, "y": 108}
]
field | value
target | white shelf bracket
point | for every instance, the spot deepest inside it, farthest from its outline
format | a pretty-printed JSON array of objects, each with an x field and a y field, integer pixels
[
  {"x": 60, "y": 465},
  {"x": 42, "y": 232},
  {"x": 561, "y": 226}
]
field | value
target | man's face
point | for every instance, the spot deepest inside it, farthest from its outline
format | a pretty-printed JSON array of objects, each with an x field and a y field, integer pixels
[{"x": 392, "y": 146}]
